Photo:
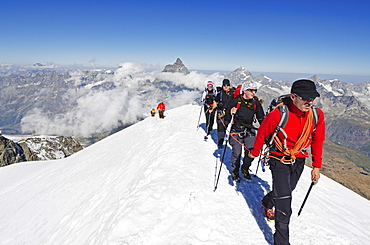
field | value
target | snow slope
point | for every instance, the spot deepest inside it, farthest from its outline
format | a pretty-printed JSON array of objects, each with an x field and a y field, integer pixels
[{"x": 152, "y": 183}]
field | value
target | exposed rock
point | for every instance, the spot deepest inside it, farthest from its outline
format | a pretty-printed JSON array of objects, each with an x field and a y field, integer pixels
[
  {"x": 28, "y": 154},
  {"x": 178, "y": 66},
  {"x": 52, "y": 147},
  {"x": 37, "y": 148},
  {"x": 8, "y": 152}
]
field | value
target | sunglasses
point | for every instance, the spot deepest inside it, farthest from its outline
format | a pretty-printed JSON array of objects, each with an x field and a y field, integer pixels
[
  {"x": 305, "y": 98},
  {"x": 252, "y": 90}
]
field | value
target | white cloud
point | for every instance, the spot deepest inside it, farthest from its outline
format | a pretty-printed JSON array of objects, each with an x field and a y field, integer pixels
[{"x": 96, "y": 111}]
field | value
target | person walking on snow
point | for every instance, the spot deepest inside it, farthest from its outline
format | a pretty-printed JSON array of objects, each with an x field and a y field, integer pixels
[
  {"x": 223, "y": 105},
  {"x": 161, "y": 108},
  {"x": 287, "y": 165},
  {"x": 152, "y": 112},
  {"x": 208, "y": 99},
  {"x": 246, "y": 108}
]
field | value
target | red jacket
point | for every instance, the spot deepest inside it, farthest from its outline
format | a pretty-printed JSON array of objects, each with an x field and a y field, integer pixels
[
  {"x": 293, "y": 128},
  {"x": 161, "y": 106}
]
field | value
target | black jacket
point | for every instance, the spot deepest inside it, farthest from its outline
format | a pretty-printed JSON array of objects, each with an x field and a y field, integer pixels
[
  {"x": 224, "y": 99},
  {"x": 248, "y": 111},
  {"x": 208, "y": 97}
]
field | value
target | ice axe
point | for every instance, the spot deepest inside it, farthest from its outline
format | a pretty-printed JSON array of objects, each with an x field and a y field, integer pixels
[{"x": 305, "y": 199}]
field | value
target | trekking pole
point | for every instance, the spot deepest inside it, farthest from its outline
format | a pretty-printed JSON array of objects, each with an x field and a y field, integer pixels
[
  {"x": 263, "y": 163},
  {"x": 200, "y": 114},
  {"x": 223, "y": 153},
  {"x": 258, "y": 164},
  {"x": 262, "y": 160},
  {"x": 209, "y": 120},
  {"x": 305, "y": 199}
]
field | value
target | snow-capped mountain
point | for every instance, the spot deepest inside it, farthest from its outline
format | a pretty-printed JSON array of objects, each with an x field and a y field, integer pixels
[
  {"x": 239, "y": 75},
  {"x": 178, "y": 66},
  {"x": 346, "y": 106},
  {"x": 153, "y": 183},
  {"x": 360, "y": 91},
  {"x": 10, "y": 70},
  {"x": 93, "y": 104}
]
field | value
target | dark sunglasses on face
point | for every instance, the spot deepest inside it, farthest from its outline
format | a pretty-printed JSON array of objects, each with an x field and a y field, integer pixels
[
  {"x": 252, "y": 90},
  {"x": 305, "y": 98}
]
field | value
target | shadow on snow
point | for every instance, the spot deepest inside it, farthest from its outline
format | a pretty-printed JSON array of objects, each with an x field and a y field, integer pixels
[
  {"x": 213, "y": 133},
  {"x": 252, "y": 191}
]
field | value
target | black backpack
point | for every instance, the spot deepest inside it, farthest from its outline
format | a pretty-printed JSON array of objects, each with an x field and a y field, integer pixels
[{"x": 278, "y": 100}]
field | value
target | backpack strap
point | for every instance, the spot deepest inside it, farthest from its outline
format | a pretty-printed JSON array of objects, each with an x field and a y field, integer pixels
[
  {"x": 284, "y": 115},
  {"x": 315, "y": 115}
]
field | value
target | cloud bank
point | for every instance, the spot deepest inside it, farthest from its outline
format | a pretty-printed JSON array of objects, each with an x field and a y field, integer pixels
[{"x": 110, "y": 101}]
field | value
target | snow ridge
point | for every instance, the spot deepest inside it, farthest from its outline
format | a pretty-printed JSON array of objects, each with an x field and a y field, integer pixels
[{"x": 158, "y": 189}]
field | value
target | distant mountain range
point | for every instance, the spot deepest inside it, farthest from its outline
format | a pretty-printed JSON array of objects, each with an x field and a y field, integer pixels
[
  {"x": 51, "y": 100},
  {"x": 346, "y": 106}
]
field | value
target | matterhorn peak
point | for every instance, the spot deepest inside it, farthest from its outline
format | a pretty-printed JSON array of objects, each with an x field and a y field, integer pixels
[
  {"x": 178, "y": 66},
  {"x": 179, "y": 62}
]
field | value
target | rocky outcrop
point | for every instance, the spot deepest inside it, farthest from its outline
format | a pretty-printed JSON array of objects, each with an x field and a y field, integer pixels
[
  {"x": 8, "y": 152},
  {"x": 52, "y": 147},
  {"x": 37, "y": 148},
  {"x": 178, "y": 66}
]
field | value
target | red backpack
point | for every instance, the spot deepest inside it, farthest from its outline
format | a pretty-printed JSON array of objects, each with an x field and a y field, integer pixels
[{"x": 238, "y": 90}]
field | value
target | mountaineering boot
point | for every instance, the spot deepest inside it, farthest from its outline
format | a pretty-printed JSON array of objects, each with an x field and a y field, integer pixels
[
  {"x": 235, "y": 177},
  {"x": 269, "y": 212},
  {"x": 246, "y": 174}
]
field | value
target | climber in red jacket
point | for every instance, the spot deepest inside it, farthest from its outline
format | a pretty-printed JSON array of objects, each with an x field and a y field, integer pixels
[
  {"x": 161, "y": 108},
  {"x": 288, "y": 151}
]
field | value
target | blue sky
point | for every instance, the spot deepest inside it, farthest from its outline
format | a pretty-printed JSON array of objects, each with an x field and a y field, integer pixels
[{"x": 319, "y": 37}]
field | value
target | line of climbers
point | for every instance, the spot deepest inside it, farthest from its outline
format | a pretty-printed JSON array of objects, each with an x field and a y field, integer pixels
[{"x": 282, "y": 139}]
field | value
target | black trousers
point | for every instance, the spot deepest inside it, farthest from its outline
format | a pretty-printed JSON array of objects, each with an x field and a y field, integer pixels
[
  {"x": 284, "y": 180},
  {"x": 222, "y": 123},
  {"x": 210, "y": 119},
  {"x": 161, "y": 113}
]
